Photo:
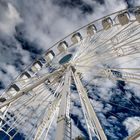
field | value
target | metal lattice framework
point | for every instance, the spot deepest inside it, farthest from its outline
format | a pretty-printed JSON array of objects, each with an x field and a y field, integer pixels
[{"x": 107, "y": 48}]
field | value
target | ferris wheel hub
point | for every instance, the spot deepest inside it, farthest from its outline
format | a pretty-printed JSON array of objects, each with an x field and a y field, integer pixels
[{"x": 65, "y": 59}]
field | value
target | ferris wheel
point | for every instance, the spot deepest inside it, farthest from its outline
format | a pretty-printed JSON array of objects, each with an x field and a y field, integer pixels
[{"x": 41, "y": 98}]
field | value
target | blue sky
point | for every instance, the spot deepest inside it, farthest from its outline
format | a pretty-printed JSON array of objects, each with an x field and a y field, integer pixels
[{"x": 27, "y": 28}]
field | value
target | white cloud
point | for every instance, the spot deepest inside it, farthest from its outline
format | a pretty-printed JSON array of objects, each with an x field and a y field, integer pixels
[
  {"x": 9, "y": 18},
  {"x": 132, "y": 124},
  {"x": 46, "y": 23},
  {"x": 136, "y": 2}
]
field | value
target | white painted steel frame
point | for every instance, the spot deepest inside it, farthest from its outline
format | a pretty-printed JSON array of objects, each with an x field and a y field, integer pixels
[
  {"x": 94, "y": 123},
  {"x": 63, "y": 116}
]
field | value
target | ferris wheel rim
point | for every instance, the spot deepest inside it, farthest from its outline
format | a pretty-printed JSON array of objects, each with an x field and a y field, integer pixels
[{"x": 119, "y": 11}]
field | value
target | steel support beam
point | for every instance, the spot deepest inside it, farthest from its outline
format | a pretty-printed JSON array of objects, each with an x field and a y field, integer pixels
[
  {"x": 134, "y": 135},
  {"x": 92, "y": 118},
  {"x": 63, "y": 117}
]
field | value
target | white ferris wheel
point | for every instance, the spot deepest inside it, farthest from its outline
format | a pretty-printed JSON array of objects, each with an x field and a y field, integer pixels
[{"x": 42, "y": 95}]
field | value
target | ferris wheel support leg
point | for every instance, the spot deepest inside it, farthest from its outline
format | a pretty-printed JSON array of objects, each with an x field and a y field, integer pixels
[
  {"x": 86, "y": 119},
  {"x": 135, "y": 135},
  {"x": 63, "y": 116},
  {"x": 89, "y": 109}
]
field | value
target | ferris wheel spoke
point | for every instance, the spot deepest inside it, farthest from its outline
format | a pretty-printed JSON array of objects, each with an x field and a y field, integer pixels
[
  {"x": 19, "y": 104},
  {"x": 99, "y": 36},
  {"x": 87, "y": 69},
  {"x": 125, "y": 73},
  {"x": 24, "y": 91},
  {"x": 124, "y": 45},
  {"x": 88, "y": 45},
  {"x": 6, "y": 113},
  {"x": 87, "y": 64},
  {"x": 29, "y": 102},
  {"x": 40, "y": 93},
  {"x": 91, "y": 55},
  {"x": 21, "y": 121},
  {"x": 118, "y": 105},
  {"x": 6, "y": 122},
  {"x": 83, "y": 48},
  {"x": 31, "y": 83},
  {"x": 124, "y": 50},
  {"x": 33, "y": 129},
  {"x": 123, "y": 76},
  {"x": 128, "y": 43},
  {"x": 125, "y": 35},
  {"x": 121, "y": 51},
  {"x": 104, "y": 36},
  {"x": 108, "y": 59},
  {"x": 90, "y": 51},
  {"x": 26, "y": 79},
  {"x": 137, "y": 70},
  {"x": 96, "y": 59},
  {"x": 19, "y": 110},
  {"x": 109, "y": 34},
  {"x": 115, "y": 74},
  {"x": 47, "y": 120},
  {"x": 32, "y": 133},
  {"x": 36, "y": 109},
  {"x": 93, "y": 58},
  {"x": 124, "y": 62}
]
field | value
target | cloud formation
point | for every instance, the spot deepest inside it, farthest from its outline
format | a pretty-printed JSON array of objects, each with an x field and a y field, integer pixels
[{"x": 30, "y": 27}]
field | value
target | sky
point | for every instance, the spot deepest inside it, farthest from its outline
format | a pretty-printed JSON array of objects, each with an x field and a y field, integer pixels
[{"x": 29, "y": 27}]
